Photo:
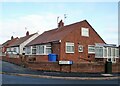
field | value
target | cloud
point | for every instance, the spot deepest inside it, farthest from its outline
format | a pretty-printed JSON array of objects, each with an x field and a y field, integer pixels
[
  {"x": 44, "y": 22},
  {"x": 33, "y": 23}
]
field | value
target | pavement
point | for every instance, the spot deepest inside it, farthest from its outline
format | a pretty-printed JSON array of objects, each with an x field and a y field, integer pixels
[{"x": 12, "y": 69}]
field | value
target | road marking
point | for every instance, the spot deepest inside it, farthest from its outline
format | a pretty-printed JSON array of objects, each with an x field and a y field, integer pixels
[{"x": 106, "y": 74}]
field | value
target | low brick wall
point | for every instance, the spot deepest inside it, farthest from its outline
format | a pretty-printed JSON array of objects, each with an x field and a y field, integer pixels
[
  {"x": 81, "y": 67},
  {"x": 12, "y": 60},
  {"x": 87, "y": 67},
  {"x": 43, "y": 66},
  {"x": 54, "y": 66},
  {"x": 116, "y": 68}
]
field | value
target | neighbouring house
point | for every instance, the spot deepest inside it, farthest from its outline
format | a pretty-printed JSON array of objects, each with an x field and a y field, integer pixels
[
  {"x": 6, "y": 44},
  {"x": 0, "y": 49},
  {"x": 18, "y": 46},
  {"x": 75, "y": 42}
]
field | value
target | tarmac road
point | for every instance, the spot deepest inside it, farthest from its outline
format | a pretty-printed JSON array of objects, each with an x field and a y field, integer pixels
[{"x": 9, "y": 79}]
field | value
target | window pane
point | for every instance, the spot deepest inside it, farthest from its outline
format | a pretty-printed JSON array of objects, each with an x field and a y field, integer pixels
[
  {"x": 117, "y": 52},
  {"x": 113, "y": 52},
  {"x": 69, "y": 47},
  {"x": 33, "y": 49},
  {"x": 101, "y": 52},
  {"x": 41, "y": 49},
  {"x": 85, "y": 32},
  {"x": 91, "y": 49},
  {"x": 28, "y": 50},
  {"x": 109, "y": 52},
  {"x": 48, "y": 50},
  {"x": 105, "y": 52}
]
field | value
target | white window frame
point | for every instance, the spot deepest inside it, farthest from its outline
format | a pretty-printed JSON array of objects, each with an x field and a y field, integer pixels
[
  {"x": 46, "y": 46},
  {"x": 91, "y": 46},
  {"x": 85, "y": 32},
  {"x": 80, "y": 46},
  {"x": 116, "y": 52},
  {"x": 34, "y": 47},
  {"x": 105, "y": 53},
  {"x": 70, "y": 44}
]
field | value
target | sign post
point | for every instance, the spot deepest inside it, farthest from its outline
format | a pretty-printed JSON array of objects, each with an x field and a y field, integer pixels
[{"x": 65, "y": 63}]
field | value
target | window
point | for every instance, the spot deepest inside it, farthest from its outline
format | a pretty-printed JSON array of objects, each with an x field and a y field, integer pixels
[
  {"x": 117, "y": 52},
  {"x": 40, "y": 49},
  {"x": 109, "y": 52},
  {"x": 28, "y": 50},
  {"x": 33, "y": 49},
  {"x": 69, "y": 47},
  {"x": 85, "y": 32},
  {"x": 113, "y": 52},
  {"x": 99, "y": 51},
  {"x": 43, "y": 49},
  {"x": 105, "y": 52},
  {"x": 48, "y": 49},
  {"x": 91, "y": 49},
  {"x": 80, "y": 48}
]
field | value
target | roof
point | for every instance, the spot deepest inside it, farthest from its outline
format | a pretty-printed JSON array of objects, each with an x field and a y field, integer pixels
[
  {"x": 56, "y": 34},
  {"x": 9, "y": 42},
  {"x": 106, "y": 45},
  {"x": 6, "y": 43},
  {"x": 21, "y": 40}
]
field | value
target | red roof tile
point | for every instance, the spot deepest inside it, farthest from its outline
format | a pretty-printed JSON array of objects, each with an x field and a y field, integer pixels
[
  {"x": 21, "y": 40},
  {"x": 56, "y": 34},
  {"x": 9, "y": 42}
]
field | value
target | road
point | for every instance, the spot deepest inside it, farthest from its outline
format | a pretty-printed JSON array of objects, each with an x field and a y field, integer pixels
[
  {"x": 8, "y": 79},
  {"x": 12, "y": 79}
]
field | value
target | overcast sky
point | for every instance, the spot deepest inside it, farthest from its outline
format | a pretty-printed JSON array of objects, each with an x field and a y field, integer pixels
[{"x": 42, "y": 16}]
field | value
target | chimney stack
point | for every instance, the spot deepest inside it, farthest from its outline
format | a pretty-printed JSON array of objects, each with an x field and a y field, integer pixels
[
  {"x": 60, "y": 24},
  {"x": 12, "y": 37},
  {"x": 27, "y": 33}
]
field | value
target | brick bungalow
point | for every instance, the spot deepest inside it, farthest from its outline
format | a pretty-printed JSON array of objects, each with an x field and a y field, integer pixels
[
  {"x": 20, "y": 43},
  {"x": 6, "y": 44},
  {"x": 74, "y": 42}
]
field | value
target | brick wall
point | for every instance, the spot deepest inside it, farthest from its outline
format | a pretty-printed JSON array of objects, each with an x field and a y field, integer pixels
[
  {"x": 116, "y": 67},
  {"x": 88, "y": 67},
  {"x": 81, "y": 67},
  {"x": 12, "y": 60},
  {"x": 76, "y": 38}
]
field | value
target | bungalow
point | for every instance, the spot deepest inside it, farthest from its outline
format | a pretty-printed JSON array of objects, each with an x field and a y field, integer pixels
[
  {"x": 6, "y": 44},
  {"x": 19, "y": 45},
  {"x": 74, "y": 42}
]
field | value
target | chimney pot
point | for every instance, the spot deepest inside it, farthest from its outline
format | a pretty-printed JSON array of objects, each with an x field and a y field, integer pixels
[
  {"x": 60, "y": 24},
  {"x": 12, "y": 37},
  {"x": 27, "y": 33}
]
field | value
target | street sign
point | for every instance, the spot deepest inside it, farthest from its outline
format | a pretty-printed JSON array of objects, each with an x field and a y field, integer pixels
[{"x": 65, "y": 62}]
